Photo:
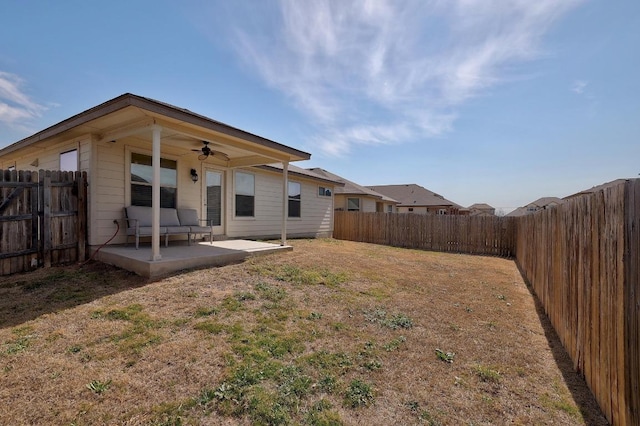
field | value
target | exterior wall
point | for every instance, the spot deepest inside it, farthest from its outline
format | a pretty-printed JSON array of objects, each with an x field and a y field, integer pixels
[
  {"x": 316, "y": 211},
  {"x": 107, "y": 166},
  {"x": 367, "y": 204}
]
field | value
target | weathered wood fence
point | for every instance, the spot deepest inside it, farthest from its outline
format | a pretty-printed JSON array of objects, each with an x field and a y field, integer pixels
[
  {"x": 485, "y": 235},
  {"x": 582, "y": 259},
  {"x": 43, "y": 219}
]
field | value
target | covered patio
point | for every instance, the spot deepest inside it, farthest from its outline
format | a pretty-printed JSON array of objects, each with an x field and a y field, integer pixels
[{"x": 180, "y": 256}]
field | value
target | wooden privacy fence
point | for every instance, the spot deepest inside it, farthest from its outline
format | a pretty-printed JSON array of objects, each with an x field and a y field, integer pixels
[
  {"x": 42, "y": 219},
  {"x": 582, "y": 259},
  {"x": 485, "y": 235}
]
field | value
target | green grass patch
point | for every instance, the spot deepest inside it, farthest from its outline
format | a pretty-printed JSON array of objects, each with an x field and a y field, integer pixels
[
  {"x": 487, "y": 374},
  {"x": 139, "y": 334},
  {"x": 358, "y": 394},
  {"x": 380, "y": 316}
]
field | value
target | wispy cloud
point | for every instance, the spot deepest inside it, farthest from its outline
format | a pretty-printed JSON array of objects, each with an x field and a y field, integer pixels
[
  {"x": 375, "y": 71},
  {"x": 579, "y": 86},
  {"x": 16, "y": 107}
]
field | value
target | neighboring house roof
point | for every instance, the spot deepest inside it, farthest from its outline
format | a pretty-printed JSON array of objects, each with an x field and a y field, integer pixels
[
  {"x": 480, "y": 206},
  {"x": 153, "y": 108},
  {"x": 539, "y": 204},
  {"x": 596, "y": 188},
  {"x": 351, "y": 188},
  {"x": 299, "y": 171},
  {"x": 413, "y": 195}
]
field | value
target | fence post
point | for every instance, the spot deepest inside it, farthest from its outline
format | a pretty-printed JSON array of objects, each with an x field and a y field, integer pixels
[
  {"x": 81, "y": 222},
  {"x": 45, "y": 179}
]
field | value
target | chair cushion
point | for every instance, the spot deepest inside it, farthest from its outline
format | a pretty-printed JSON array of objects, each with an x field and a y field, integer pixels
[
  {"x": 145, "y": 230},
  {"x": 188, "y": 217},
  {"x": 178, "y": 230},
  {"x": 141, "y": 214},
  {"x": 169, "y": 217},
  {"x": 200, "y": 229}
]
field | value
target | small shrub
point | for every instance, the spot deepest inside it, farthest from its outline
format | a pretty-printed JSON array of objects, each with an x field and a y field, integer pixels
[
  {"x": 394, "y": 344},
  {"x": 205, "y": 312}
]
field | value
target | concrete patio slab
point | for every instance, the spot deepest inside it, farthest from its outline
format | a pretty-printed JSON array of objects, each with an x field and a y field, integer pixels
[{"x": 178, "y": 257}]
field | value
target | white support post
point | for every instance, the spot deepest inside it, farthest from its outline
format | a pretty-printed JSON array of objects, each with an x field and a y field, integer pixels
[
  {"x": 155, "y": 195},
  {"x": 285, "y": 201}
]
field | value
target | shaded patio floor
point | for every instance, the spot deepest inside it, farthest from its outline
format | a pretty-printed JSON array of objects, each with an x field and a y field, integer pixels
[{"x": 179, "y": 256}]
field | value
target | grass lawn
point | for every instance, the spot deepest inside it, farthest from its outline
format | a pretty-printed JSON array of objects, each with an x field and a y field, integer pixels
[{"x": 332, "y": 333}]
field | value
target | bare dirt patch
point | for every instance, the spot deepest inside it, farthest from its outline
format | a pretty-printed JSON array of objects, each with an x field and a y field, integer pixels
[{"x": 332, "y": 333}]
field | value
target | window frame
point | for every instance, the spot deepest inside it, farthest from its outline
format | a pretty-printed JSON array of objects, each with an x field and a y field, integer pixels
[
  {"x": 322, "y": 192},
  {"x": 235, "y": 196},
  {"x": 60, "y": 156},
  {"x": 129, "y": 194},
  {"x": 294, "y": 200},
  {"x": 359, "y": 206}
]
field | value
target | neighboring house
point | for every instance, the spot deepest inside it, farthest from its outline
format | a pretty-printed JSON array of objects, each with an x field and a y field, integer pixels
[
  {"x": 239, "y": 185},
  {"x": 416, "y": 199},
  {"x": 537, "y": 205},
  {"x": 354, "y": 197},
  {"x": 481, "y": 209},
  {"x": 595, "y": 189}
]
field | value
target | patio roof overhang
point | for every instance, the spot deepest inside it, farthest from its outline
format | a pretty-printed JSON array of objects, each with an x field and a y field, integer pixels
[{"x": 131, "y": 115}]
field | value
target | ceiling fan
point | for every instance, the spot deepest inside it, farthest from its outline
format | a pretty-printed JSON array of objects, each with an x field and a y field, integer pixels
[{"x": 205, "y": 152}]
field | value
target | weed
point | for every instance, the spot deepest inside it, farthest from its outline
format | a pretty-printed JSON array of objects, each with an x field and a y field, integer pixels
[
  {"x": 445, "y": 356},
  {"x": 372, "y": 365},
  {"x": 338, "y": 326},
  {"x": 74, "y": 349},
  {"x": 273, "y": 294},
  {"x": 358, "y": 394},
  {"x": 327, "y": 383},
  {"x": 18, "y": 345},
  {"x": 231, "y": 304},
  {"x": 205, "y": 312},
  {"x": 98, "y": 387},
  {"x": 487, "y": 374},
  {"x": 210, "y": 327},
  {"x": 319, "y": 415},
  {"x": 243, "y": 296},
  {"x": 394, "y": 344},
  {"x": 502, "y": 297},
  {"x": 314, "y": 316},
  {"x": 379, "y": 316}
]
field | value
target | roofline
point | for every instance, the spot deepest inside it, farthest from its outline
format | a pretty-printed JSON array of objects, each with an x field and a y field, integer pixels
[
  {"x": 292, "y": 172},
  {"x": 151, "y": 105}
]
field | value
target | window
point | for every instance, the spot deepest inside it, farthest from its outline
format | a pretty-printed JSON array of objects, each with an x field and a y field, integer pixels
[
  {"x": 390, "y": 208},
  {"x": 69, "y": 161},
  {"x": 142, "y": 176},
  {"x": 353, "y": 204},
  {"x": 245, "y": 194},
  {"x": 11, "y": 168},
  {"x": 442, "y": 211},
  {"x": 324, "y": 192},
  {"x": 411, "y": 209},
  {"x": 294, "y": 199}
]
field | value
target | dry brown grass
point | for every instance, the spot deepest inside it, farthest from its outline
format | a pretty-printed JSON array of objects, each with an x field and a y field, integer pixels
[{"x": 287, "y": 335}]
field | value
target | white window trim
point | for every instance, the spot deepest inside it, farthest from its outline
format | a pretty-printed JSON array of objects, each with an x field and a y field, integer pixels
[
  {"x": 294, "y": 218},
  {"x": 325, "y": 188},
  {"x": 77, "y": 159}
]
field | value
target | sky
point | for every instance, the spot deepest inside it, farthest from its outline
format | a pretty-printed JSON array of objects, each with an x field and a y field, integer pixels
[{"x": 482, "y": 101}]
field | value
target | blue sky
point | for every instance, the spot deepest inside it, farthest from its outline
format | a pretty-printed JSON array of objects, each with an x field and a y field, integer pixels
[{"x": 496, "y": 101}]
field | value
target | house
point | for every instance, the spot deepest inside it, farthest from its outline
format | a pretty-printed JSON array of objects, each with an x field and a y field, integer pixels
[
  {"x": 596, "y": 188},
  {"x": 417, "y": 199},
  {"x": 143, "y": 152},
  {"x": 355, "y": 197},
  {"x": 481, "y": 209},
  {"x": 537, "y": 205}
]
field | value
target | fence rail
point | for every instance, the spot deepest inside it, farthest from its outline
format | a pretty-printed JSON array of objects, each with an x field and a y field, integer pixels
[
  {"x": 42, "y": 219},
  {"x": 485, "y": 235},
  {"x": 582, "y": 259}
]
